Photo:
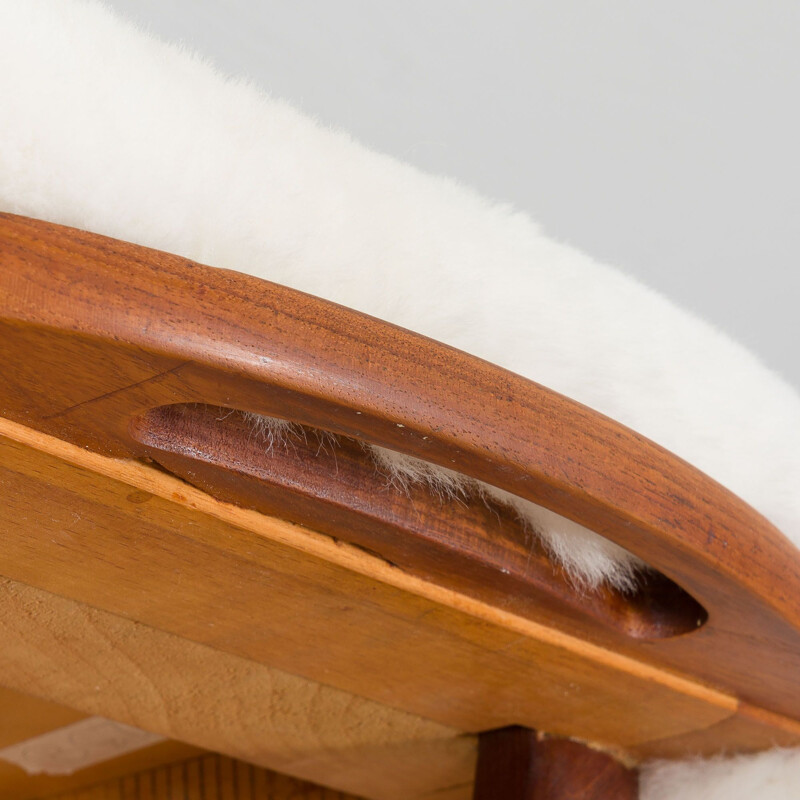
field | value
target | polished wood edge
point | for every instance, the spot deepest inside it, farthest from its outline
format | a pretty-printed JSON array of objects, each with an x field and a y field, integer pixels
[{"x": 778, "y": 722}]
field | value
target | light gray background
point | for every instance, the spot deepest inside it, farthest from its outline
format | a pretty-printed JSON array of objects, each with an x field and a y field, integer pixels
[{"x": 659, "y": 136}]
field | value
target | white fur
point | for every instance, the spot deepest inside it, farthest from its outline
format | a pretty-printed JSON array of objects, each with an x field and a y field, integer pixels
[
  {"x": 107, "y": 129},
  {"x": 774, "y": 775}
]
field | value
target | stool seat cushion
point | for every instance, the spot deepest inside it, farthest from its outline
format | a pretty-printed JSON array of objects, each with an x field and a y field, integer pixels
[{"x": 108, "y": 129}]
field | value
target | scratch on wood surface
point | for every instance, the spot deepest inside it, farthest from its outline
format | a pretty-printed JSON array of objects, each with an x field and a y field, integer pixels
[{"x": 113, "y": 392}]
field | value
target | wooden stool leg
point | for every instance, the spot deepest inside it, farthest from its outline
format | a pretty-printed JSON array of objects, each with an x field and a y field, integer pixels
[{"x": 513, "y": 764}]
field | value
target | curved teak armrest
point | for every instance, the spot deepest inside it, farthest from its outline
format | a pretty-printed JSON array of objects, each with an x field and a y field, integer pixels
[{"x": 98, "y": 335}]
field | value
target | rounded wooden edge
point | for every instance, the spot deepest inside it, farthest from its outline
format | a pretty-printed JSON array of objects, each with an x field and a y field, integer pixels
[
  {"x": 343, "y": 371},
  {"x": 198, "y": 334}
]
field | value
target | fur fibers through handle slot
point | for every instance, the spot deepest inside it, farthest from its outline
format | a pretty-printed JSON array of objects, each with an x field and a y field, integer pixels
[{"x": 332, "y": 484}]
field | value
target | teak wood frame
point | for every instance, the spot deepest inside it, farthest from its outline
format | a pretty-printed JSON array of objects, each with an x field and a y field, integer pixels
[{"x": 110, "y": 347}]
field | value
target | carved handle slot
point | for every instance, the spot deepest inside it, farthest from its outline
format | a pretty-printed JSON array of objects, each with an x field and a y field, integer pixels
[{"x": 332, "y": 484}]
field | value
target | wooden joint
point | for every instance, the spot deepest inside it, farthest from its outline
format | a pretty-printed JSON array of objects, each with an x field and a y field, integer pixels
[{"x": 518, "y": 763}]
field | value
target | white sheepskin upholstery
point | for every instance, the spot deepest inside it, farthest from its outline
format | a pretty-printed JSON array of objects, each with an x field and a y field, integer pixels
[
  {"x": 774, "y": 775},
  {"x": 107, "y": 129}
]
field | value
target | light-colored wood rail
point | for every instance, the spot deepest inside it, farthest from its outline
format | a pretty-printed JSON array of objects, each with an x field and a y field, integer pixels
[
  {"x": 138, "y": 542},
  {"x": 102, "y": 664},
  {"x": 124, "y": 536}
]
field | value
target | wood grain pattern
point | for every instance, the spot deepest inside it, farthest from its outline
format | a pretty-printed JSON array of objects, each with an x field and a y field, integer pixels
[
  {"x": 102, "y": 664},
  {"x": 138, "y": 542},
  {"x": 95, "y": 332},
  {"x": 212, "y": 777},
  {"x": 517, "y": 764}
]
